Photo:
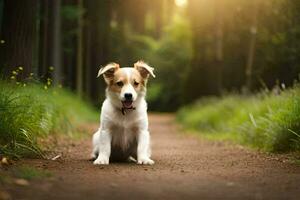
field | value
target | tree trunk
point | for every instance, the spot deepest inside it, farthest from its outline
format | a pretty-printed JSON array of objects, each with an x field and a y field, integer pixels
[
  {"x": 50, "y": 41},
  {"x": 1, "y": 13},
  {"x": 98, "y": 18},
  {"x": 19, "y": 32},
  {"x": 251, "y": 52},
  {"x": 137, "y": 14},
  {"x": 79, "y": 64},
  {"x": 43, "y": 43},
  {"x": 167, "y": 11},
  {"x": 87, "y": 51},
  {"x": 55, "y": 40},
  {"x": 218, "y": 46},
  {"x": 158, "y": 9}
]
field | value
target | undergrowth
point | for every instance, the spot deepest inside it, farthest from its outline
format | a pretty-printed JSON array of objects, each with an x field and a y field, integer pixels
[
  {"x": 29, "y": 112},
  {"x": 266, "y": 120}
]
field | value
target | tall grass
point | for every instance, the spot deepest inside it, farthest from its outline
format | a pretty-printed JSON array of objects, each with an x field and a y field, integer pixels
[
  {"x": 28, "y": 113},
  {"x": 266, "y": 121}
]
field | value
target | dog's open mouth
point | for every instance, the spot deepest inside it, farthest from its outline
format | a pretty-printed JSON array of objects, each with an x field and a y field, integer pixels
[{"x": 127, "y": 104}]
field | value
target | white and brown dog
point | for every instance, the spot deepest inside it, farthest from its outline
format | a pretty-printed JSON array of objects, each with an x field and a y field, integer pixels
[{"x": 123, "y": 131}]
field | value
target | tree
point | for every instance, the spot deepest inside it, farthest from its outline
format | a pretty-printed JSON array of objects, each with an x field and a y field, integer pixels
[
  {"x": 98, "y": 19},
  {"x": 19, "y": 32},
  {"x": 218, "y": 66},
  {"x": 50, "y": 40},
  {"x": 251, "y": 51},
  {"x": 204, "y": 76},
  {"x": 43, "y": 39},
  {"x": 55, "y": 40},
  {"x": 79, "y": 66}
]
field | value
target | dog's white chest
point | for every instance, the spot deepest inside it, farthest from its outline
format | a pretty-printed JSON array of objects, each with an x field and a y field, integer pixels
[{"x": 123, "y": 137}]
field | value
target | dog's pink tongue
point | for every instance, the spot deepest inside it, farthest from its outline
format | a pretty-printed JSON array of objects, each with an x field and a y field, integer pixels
[{"x": 127, "y": 104}]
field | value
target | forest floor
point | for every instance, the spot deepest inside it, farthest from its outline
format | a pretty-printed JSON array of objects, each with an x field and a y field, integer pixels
[{"x": 187, "y": 167}]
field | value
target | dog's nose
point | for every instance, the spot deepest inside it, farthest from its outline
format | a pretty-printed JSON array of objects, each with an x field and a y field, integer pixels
[{"x": 128, "y": 96}]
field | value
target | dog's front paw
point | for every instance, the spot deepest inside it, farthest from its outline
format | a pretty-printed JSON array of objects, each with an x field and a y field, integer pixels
[
  {"x": 101, "y": 160},
  {"x": 145, "y": 161}
]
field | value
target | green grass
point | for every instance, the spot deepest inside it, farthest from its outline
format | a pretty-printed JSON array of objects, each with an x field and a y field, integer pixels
[
  {"x": 265, "y": 121},
  {"x": 296, "y": 162},
  {"x": 31, "y": 112},
  {"x": 22, "y": 172},
  {"x": 29, "y": 173}
]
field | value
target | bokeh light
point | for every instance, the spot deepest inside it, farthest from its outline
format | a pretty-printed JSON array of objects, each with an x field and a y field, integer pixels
[{"x": 181, "y": 3}]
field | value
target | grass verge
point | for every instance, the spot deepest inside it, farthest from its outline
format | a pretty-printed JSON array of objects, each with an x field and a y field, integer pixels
[
  {"x": 266, "y": 121},
  {"x": 32, "y": 112},
  {"x": 29, "y": 173}
]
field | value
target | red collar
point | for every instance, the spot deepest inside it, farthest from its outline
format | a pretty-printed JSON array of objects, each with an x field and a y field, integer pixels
[{"x": 123, "y": 110}]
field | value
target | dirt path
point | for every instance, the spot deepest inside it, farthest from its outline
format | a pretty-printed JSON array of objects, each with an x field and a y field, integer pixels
[{"x": 186, "y": 168}]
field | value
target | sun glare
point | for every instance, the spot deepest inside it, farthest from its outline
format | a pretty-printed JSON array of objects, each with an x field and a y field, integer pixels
[{"x": 181, "y": 3}]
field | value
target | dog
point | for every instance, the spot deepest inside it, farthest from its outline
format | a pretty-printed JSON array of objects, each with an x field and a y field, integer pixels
[{"x": 123, "y": 132}]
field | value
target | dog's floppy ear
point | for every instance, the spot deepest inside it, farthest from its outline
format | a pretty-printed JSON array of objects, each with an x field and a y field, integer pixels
[
  {"x": 144, "y": 69},
  {"x": 108, "y": 71}
]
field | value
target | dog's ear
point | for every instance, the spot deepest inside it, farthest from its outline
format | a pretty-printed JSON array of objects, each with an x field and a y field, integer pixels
[
  {"x": 108, "y": 71},
  {"x": 144, "y": 69}
]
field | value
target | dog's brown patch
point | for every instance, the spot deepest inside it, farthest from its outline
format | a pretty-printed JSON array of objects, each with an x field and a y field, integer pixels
[{"x": 120, "y": 75}]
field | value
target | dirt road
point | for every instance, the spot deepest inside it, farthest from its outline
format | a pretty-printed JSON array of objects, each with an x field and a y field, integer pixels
[{"x": 186, "y": 168}]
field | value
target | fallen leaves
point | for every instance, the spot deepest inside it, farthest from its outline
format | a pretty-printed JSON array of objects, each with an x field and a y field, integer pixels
[
  {"x": 4, "y": 161},
  {"x": 21, "y": 182},
  {"x": 4, "y": 195}
]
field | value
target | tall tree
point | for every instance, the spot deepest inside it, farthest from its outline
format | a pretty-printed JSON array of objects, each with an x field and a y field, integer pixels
[
  {"x": 218, "y": 66},
  {"x": 55, "y": 40},
  {"x": 79, "y": 55},
  {"x": 157, "y": 7},
  {"x": 50, "y": 40},
  {"x": 1, "y": 12},
  {"x": 136, "y": 12},
  {"x": 43, "y": 39},
  {"x": 167, "y": 11},
  {"x": 252, "y": 44},
  {"x": 19, "y": 32},
  {"x": 98, "y": 18},
  {"x": 204, "y": 74}
]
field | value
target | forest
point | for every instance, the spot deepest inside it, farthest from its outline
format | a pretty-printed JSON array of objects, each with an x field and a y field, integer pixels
[
  {"x": 223, "y": 107},
  {"x": 197, "y": 47}
]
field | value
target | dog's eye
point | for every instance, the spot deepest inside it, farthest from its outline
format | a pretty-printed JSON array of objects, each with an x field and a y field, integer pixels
[
  {"x": 136, "y": 83},
  {"x": 120, "y": 83}
]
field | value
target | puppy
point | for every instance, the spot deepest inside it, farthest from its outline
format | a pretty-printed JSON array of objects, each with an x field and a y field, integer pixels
[{"x": 123, "y": 132}]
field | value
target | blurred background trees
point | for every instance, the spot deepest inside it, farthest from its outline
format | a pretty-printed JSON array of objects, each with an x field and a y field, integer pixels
[{"x": 198, "y": 47}]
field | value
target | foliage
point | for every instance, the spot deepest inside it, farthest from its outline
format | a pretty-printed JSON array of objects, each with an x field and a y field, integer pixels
[
  {"x": 267, "y": 121},
  {"x": 29, "y": 173},
  {"x": 198, "y": 50},
  {"x": 28, "y": 112},
  {"x": 184, "y": 54},
  {"x": 169, "y": 55}
]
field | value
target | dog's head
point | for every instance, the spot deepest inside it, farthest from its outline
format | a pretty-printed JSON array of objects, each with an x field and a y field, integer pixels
[{"x": 126, "y": 85}]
